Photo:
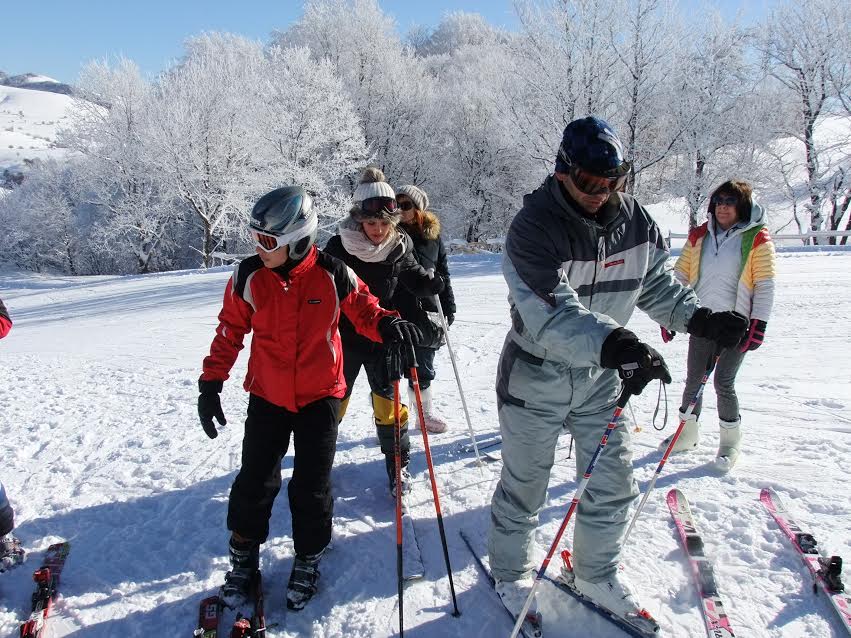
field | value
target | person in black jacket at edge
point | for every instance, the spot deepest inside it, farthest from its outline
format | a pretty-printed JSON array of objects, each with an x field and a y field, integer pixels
[
  {"x": 423, "y": 226},
  {"x": 371, "y": 244}
]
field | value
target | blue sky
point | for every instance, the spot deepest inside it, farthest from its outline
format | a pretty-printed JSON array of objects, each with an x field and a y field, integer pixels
[{"x": 57, "y": 37}]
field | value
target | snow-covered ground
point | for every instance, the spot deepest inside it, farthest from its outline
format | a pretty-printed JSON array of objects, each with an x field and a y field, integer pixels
[{"x": 101, "y": 445}]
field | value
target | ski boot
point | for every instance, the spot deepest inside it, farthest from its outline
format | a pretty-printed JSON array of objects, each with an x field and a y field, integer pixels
[
  {"x": 244, "y": 561},
  {"x": 303, "y": 580},
  {"x": 11, "y": 552}
]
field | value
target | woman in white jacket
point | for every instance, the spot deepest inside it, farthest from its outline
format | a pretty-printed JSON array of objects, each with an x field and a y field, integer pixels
[{"x": 729, "y": 261}]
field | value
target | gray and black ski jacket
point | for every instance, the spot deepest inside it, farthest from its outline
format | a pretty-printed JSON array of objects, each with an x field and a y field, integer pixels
[{"x": 573, "y": 279}]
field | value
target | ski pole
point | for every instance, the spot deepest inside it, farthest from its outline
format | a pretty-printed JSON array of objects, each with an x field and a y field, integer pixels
[
  {"x": 613, "y": 423},
  {"x": 710, "y": 366},
  {"x": 458, "y": 380},
  {"x": 420, "y": 413},
  {"x": 397, "y": 457}
]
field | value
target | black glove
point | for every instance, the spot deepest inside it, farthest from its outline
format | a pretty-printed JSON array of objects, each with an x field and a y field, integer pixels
[
  {"x": 450, "y": 319},
  {"x": 637, "y": 363},
  {"x": 754, "y": 337},
  {"x": 209, "y": 406},
  {"x": 391, "y": 366},
  {"x": 437, "y": 284},
  {"x": 396, "y": 329},
  {"x": 726, "y": 328}
]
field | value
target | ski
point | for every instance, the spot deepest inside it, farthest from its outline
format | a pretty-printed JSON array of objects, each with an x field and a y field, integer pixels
[
  {"x": 412, "y": 561},
  {"x": 715, "y": 619},
  {"x": 208, "y": 618},
  {"x": 642, "y": 625},
  {"x": 467, "y": 448},
  {"x": 532, "y": 626},
  {"x": 826, "y": 571},
  {"x": 46, "y": 589}
]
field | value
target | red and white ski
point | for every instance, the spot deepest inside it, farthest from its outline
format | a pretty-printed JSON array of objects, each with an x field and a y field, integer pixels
[
  {"x": 47, "y": 587},
  {"x": 208, "y": 618},
  {"x": 826, "y": 571},
  {"x": 715, "y": 619}
]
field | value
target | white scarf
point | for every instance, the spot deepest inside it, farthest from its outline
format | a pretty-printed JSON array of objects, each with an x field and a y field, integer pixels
[{"x": 358, "y": 244}]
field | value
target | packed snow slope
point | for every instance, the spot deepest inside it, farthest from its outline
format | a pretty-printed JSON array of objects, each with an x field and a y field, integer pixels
[{"x": 101, "y": 446}]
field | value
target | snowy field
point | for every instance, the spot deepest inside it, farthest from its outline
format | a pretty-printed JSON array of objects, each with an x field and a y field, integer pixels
[{"x": 101, "y": 446}]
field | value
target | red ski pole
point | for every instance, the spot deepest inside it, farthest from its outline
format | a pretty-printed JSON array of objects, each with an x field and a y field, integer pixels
[{"x": 416, "y": 382}]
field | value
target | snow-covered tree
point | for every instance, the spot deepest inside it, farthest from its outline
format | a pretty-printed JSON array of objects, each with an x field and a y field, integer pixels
[
  {"x": 801, "y": 43},
  {"x": 110, "y": 129},
  {"x": 204, "y": 138}
]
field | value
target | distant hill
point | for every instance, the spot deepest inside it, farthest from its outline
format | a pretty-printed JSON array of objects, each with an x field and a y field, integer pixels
[
  {"x": 35, "y": 82},
  {"x": 29, "y": 122}
]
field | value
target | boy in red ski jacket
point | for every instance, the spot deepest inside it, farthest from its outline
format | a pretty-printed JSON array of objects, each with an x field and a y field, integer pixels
[{"x": 290, "y": 295}]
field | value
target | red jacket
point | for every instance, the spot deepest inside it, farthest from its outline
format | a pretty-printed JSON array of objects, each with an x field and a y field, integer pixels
[
  {"x": 296, "y": 353},
  {"x": 5, "y": 321}
]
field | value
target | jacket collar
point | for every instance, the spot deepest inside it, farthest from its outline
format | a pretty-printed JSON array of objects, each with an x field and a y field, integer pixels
[{"x": 293, "y": 269}]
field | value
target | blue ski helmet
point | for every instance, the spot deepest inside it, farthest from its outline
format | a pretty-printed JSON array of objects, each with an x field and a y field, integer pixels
[
  {"x": 287, "y": 212},
  {"x": 592, "y": 145}
]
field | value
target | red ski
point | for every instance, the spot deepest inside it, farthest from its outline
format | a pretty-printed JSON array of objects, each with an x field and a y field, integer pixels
[
  {"x": 208, "y": 618},
  {"x": 826, "y": 571},
  {"x": 47, "y": 587}
]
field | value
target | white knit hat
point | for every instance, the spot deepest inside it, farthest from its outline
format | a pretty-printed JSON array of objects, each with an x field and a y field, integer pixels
[
  {"x": 372, "y": 184},
  {"x": 416, "y": 194}
]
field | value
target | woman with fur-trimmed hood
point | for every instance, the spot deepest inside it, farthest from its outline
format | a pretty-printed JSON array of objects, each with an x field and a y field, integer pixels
[
  {"x": 424, "y": 228},
  {"x": 370, "y": 243}
]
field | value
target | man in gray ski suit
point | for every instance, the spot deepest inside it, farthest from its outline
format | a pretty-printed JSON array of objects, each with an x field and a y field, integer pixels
[{"x": 580, "y": 256}]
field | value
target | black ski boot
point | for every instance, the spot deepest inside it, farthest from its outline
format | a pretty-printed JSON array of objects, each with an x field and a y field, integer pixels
[
  {"x": 244, "y": 562},
  {"x": 385, "y": 439},
  {"x": 303, "y": 580}
]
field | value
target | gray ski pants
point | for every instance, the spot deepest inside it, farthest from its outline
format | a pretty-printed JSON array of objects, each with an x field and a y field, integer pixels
[
  {"x": 537, "y": 398},
  {"x": 724, "y": 377}
]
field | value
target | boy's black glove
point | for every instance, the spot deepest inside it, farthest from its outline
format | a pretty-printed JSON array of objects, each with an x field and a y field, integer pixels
[
  {"x": 210, "y": 405},
  {"x": 726, "y": 328},
  {"x": 397, "y": 330},
  {"x": 391, "y": 365},
  {"x": 636, "y": 362}
]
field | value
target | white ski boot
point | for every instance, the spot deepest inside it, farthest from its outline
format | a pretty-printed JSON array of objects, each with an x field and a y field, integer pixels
[
  {"x": 513, "y": 594},
  {"x": 689, "y": 437},
  {"x": 615, "y": 594},
  {"x": 729, "y": 445},
  {"x": 433, "y": 423}
]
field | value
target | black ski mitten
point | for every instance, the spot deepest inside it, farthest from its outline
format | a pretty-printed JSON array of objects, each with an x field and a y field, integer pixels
[
  {"x": 726, "y": 328},
  {"x": 636, "y": 362},
  {"x": 396, "y": 329},
  {"x": 210, "y": 406}
]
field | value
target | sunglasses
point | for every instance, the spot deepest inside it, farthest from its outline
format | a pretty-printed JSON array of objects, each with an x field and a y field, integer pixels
[
  {"x": 406, "y": 205},
  {"x": 375, "y": 205},
  {"x": 591, "y": 184},
  {"x": 720, "y": 200},
  {"x": 267, "y": 241}
]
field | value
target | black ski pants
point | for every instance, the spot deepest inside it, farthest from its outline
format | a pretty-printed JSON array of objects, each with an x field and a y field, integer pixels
[{"x": 267, "y": 438}]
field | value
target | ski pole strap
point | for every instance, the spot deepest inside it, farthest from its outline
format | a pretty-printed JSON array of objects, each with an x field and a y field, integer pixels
[{"x": 662, "y": 389}]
